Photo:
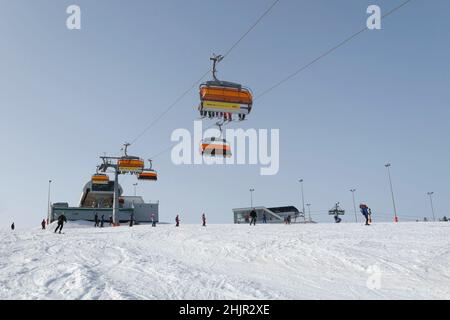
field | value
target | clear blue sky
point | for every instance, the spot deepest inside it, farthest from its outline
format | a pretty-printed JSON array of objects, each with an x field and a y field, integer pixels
[{"x": 68, "y": 96}]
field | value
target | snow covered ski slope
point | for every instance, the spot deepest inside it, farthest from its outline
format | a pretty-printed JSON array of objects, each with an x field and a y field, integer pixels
[{"x": 321, "y": 261}]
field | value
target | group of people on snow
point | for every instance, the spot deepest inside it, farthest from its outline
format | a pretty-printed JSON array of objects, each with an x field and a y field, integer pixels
[
  {"x": 101, "y": 223},
  {"x": 177, "y": 220},
  {"x": 365, "y": 211}
]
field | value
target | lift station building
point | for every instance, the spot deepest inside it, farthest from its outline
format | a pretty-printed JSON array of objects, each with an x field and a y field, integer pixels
[{"x": 98, "y": 198}]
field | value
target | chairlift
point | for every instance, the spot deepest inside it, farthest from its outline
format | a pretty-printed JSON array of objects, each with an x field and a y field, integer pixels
[{"x": 222, "y": 99}]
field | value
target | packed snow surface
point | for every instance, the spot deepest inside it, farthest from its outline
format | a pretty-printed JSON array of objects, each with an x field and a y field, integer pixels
[{"x": 313, "y": 261}]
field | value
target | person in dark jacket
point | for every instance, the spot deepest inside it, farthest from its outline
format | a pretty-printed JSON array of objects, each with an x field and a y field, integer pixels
[
  {"x": 337, "y": 219},
  {"x": 253, "y": 215},
  {"x": 203, "y": 220},
  {"x": 153, "y": 220},
  {"x": 131, "y": 219},
  {"x": 110, "y": 221},
  {"x": 61, "y": 219},
  {"x": 96, "y": 220},
  {"x": 264, "y": 218},
  {"x": 43, "y": 224},
  {"x": 365, "y": 212},
  {"x": 177, "y": 221},
  {"x": 12, "y": 226},
  {"x": 102, "y": 221}
]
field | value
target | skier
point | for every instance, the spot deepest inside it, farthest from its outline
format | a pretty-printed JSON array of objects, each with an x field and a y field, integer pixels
[
  {"x": 337, "y": 219},
  {"x": 96, "y": 220},
  {"x": 110, "y": 221},
  {"x": 61, "y": 219},
  {"x": 177, "y": 221},
  {"x": 12, "y": 226},
  {"x": 264, "y": 218},
  {"x": 131, "y": 219},
  {"x": 203, "y": 220},
  {"x": 365, "y": 212},
  {"x": 370, "y": 215},
  {"x": 103, "y": 221},
  {"x": 43, "y": 224},
  {"x": 153, "y": 220},
  {"x": 253, "y": 215},
  {"x": 288, "y": 219}
]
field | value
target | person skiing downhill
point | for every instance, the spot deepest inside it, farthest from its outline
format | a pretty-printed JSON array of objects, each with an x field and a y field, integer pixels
[
  {"x": 203, "y": 220},
  {"x": 253, "y": 215},
  {"x": 43, "y": 224},
  {"x": 61, "y": 219},
  {"x": 12, "y": 226},
  {"x": 177, "y": 221}
]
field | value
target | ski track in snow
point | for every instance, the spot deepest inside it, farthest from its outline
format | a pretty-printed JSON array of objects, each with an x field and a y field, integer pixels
[{"x": 318, "y": 261}]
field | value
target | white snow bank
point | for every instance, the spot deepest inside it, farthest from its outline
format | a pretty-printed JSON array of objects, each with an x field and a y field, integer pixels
[{"x": 315, "y": 261}]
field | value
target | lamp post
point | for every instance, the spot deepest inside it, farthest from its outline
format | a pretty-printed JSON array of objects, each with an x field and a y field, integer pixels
[
  {"x": 251, "y": 197},
  {"x": 135, "y": 185},
  {"x": 431, "y": 202},
  {"x": 309, "y": 211},
  {"x": 48, "y": 202},
  {"x": 303, "y": 199},
  {"x": 354, "y": 203},
  {"x": 388, "y": 165}
]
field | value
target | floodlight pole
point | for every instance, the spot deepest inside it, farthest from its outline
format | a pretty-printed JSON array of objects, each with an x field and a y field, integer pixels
[
  {"x": 431, "y": 202},
  {"x": 303, "y": 200},
  {"x": 309, "y": 211},
  {"x": 354, "y": 203},
  {"x": 388, "y": 165},
  {"x": 49, "y": 210}
]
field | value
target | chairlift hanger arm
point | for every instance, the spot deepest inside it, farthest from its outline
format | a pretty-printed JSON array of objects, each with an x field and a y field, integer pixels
[{"x": 215, "y": 59}]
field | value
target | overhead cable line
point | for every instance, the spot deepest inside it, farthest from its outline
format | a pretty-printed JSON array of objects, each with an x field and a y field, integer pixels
[
  {"x": 326, "y": 53},
  {"x": 323, "y": 55}
]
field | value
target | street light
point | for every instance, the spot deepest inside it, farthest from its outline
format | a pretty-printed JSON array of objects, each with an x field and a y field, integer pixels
[
  {"x": 48, "y": 202},
  {"x": 251, "y": 197},
  {"x": 303, "y": 199},
  {"x": 309, "y": 211},
  {"x": 388, "y": 165},
  {"x": 431, "y": 202},
  {"x": 354, "y": 204},
  {"x": 135, "y": 185}
]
